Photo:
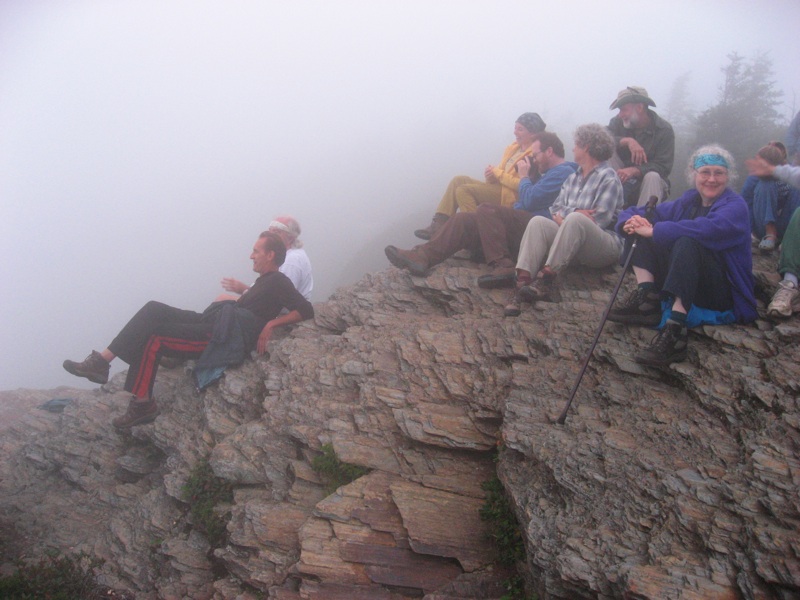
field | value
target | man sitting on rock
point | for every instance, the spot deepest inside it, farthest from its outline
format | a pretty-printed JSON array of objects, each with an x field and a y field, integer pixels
[
  {"x": 581, "y": 227},
  {"x": 159, "y": 330},
  {"x": 645, "y": 147},
  {"x": 297, "y": 266},
  {"x": 495, "y": 230}
]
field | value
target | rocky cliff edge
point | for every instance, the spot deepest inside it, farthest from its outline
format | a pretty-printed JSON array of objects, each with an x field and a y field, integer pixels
[{"x": 664, "y": 483}]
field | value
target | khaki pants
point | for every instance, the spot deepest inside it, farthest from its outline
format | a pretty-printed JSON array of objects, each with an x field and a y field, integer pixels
[
  {"x": 465, "y": 193},
  {"x": 577, "y": 240}
]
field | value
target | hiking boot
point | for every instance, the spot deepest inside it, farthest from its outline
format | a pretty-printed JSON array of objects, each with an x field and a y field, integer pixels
[
  {"x": 641, "y": 307},
  {"x": 438, "y": 220},
  {"x": 94, "y": 367},
  {"x": 413, "y": 260},
  {"x": 503, "y": 274},
  {"x": 513, "y": 305},
  {"x": 785, "y": 301},
  {"x": 541, "y": 289},
  {"x": 668, "y": 346},
  {"x": 138, "y": 413}
]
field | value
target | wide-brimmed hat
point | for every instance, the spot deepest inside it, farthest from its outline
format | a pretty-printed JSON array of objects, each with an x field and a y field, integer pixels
[{"x": 632, "y": 94}]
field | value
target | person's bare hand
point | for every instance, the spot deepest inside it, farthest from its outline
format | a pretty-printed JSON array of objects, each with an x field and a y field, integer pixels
[
  {"x": 523, "y": 167},
  {"x": 230, "y": 284},
  {"x": 627, "y": 173},
  {"x": 558, "y": 219},
  {"x": 758, "y": 166},
  {"x": 638, "y": 155},
  {"x": 489, "y": 174},
  {"x": 636, "y": 224},
  {"x": 263, "y": 339}
]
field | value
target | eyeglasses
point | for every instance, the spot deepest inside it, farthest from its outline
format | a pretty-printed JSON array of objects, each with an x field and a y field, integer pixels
[{"x": 709, "y": 173}]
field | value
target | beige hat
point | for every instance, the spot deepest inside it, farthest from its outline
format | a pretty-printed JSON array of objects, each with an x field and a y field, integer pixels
[{"x": 631, "y": 94}]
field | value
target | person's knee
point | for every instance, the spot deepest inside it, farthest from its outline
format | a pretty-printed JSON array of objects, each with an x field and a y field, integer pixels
[{"x": 686, "y": 246}]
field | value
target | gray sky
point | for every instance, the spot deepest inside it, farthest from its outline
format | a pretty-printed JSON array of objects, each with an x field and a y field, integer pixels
[{"x": 144, "y": 145}]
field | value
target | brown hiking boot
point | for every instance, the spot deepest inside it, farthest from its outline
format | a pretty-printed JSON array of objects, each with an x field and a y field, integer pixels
[
  {"x": 138, "y": 413},
  {"x": 94, "y": 367},
  {"x": 413, "y": 260},
  {"x": 438, "y": 220},
  {"x": 541, "y": 289},
  {"x": 513, "y": 306}
]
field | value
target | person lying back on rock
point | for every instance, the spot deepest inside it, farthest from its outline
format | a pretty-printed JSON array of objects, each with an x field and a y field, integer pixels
[
  {"x": 580, "y": 230},
  {"x": 495, "y": 231},
  {"x": 695, "y": 254},
  {"x": 160, "y": 330},
  {"x": 297, "y": 266},
  {"x": 465, "y": 193}
]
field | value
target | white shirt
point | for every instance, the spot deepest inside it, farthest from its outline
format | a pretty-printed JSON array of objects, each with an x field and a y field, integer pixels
[{"x": 297, "y": 268}]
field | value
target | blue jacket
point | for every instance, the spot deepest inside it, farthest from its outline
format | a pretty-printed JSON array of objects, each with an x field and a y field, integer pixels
[
  {"x": 725, "y": 230},
  {"x": 537, "y": 197}
]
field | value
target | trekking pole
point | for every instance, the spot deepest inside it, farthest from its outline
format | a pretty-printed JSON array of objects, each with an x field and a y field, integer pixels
[{"x": 651, "y": 205}]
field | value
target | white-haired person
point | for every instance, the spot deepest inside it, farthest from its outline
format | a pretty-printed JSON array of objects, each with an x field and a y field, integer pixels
[
  {"x": 694, "y": 253},
  {"x": 297, "y": 266},
  {"x": 580, "y": 227}
]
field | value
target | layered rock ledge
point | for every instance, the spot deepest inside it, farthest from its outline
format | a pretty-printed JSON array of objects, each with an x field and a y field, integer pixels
[{"x": 664, "y": 483}]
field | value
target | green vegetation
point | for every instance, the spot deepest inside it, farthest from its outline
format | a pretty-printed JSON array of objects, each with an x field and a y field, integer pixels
[
  {"x": 504, "y": 531},
  {"x": 334, "y": 472},
  {"x": 204, "y": 492},
  {"x": 54, "y": 578}
]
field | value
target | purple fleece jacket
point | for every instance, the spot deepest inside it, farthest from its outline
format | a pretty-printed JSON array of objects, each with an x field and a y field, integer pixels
[{"x": 725, "y": 231}]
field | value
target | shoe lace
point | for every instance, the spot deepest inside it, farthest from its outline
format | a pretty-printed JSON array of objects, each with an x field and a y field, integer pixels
[
  {"x": 665, "y": 339},
  {"x": 633, "y": 299}
]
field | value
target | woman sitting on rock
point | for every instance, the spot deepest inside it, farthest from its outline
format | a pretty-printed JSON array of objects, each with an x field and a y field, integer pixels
[
  {"x": 695, "y": 254},
  {"x": 502, "y": 182},
  {"x": 770, "y": 200}
]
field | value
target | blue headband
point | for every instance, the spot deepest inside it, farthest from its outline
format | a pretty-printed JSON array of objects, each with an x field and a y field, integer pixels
[{"x": 710, "y": 160}]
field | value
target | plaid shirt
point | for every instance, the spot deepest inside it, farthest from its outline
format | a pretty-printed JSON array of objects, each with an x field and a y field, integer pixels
[{"x": 600, "y": 190}]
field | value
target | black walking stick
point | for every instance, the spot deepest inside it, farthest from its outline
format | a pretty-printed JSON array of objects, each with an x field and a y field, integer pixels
[{"x": 649, "y": 212}]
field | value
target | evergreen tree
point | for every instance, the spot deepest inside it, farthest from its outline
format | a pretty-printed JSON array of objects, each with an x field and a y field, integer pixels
[
  {"x": 683, "y": 117},
  {"x": 746, "y": 116}
]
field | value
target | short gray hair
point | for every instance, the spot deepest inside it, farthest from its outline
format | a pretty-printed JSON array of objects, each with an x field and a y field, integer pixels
[
  {"x": 598, "y": 142},
  {"x": 691, "y": 173}
]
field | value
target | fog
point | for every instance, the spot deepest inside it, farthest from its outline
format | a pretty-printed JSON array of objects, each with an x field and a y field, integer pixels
[{"x": 144, "y": 145}]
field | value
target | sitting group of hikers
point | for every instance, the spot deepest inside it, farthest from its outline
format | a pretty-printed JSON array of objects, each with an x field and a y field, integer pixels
[
  {"x": 537, "y": 213},
  {"x": 534, "y": 215}
]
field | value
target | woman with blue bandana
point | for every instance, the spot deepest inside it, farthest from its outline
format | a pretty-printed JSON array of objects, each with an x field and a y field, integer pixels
[{"x": 694, "y": 254}]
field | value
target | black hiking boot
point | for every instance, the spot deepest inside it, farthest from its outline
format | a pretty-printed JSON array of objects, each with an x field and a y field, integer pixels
[
  {"x": 668, "y": 346},
  {"x": 639, "y": 308}
]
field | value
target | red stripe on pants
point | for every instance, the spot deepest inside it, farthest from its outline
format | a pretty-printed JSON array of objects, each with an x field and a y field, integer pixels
[{"x": 143, "y": 386}]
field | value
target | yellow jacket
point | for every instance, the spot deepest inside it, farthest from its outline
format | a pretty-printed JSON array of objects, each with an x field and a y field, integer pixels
[{"x": 506, "y": 174}]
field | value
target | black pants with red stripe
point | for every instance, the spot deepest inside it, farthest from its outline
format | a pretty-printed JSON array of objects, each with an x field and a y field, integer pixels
[{"x": 158, "y": 330}]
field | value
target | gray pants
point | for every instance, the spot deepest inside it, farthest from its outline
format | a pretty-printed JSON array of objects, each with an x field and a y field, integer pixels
[
  {"x": 578, "y": 240},
  {"x": 652, "y": 184}
]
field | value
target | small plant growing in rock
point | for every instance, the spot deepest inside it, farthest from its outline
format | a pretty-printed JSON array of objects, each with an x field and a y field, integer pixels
[
  {"x": 504, "y": 531},
  {"x": 203, "y": 492},
  {"x": 333, "y": 471},
  {"x": 56, "y": 578}
]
